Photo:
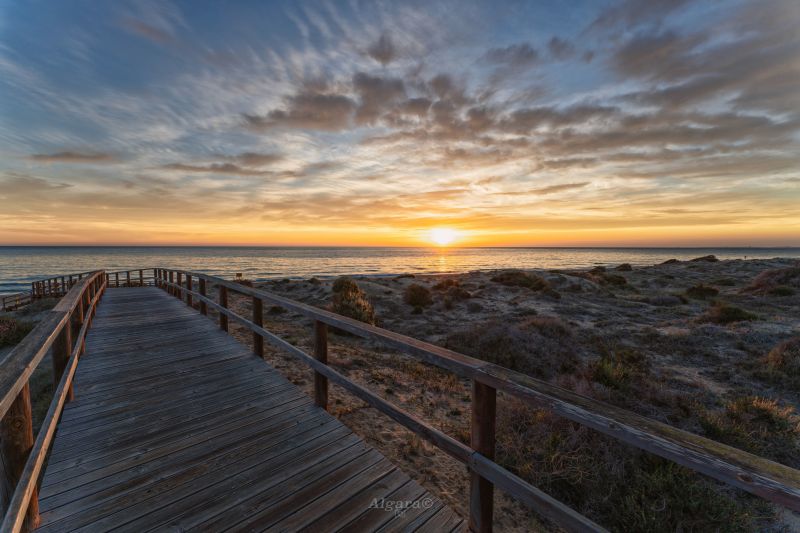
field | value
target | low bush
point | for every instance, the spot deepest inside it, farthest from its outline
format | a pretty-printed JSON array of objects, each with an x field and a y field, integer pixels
[
  {"x": 445, "y": 284},
  {"x": 701, "y": 292},
  {"x": 417, "y": 295},
  {"x": 757, "y": 425},
  {"x": 781, "y": 290},
  {"x": 774, "y": 278},
  {"x": 539, "y": 347},
  {"x": 518, "y": 278},
  {"x": 619, "y": 487},
  {"x": 722, "y": 313},
  {"x": 785, "y": 357},
  {"x": 12, "y": 331},
  {"x": 618, "y": 367},
  {"x": 624, "y": 267},
  {"x": 349, "y": 300},
  {"x": 705, "y": 259}
]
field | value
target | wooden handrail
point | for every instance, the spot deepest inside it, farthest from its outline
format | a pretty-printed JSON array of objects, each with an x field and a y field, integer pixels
[
  {"x": 770, "y": 480},
  {"x": 23, "y": 457},
  {"x": 25, "y": 490}
]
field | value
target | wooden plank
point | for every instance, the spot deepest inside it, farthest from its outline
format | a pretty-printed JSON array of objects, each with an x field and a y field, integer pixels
[{"x": 193, "y": 432}]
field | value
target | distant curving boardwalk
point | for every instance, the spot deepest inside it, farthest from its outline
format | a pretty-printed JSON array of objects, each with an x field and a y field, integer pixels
[{"x": 176, "y": 425}]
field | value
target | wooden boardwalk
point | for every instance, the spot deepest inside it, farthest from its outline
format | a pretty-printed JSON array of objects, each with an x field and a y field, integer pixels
[{"x": 175, "y": 425}]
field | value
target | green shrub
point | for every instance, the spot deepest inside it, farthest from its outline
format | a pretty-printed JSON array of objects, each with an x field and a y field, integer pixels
[
  {"x": 417, "y": 295},
  {"x": 12, "y": 331},
  {"x": 618, "y": 367},
  {"x": 349, "y": 300},
  {"x": 781, "y": 290},
  {"x": 701, "y": 292},
  {"x": 722, "y": 313},
  {"x": 517, "y": 278}
]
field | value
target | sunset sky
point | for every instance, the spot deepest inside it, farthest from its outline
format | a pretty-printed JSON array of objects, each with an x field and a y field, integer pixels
[{"x": 660, "y": 122}]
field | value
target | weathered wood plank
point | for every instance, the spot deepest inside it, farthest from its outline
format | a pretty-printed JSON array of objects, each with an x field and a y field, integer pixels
[{"x": 185, "y": 427}]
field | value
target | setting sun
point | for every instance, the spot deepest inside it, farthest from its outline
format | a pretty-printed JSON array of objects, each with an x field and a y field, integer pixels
[{"x": 442, "y": 236}]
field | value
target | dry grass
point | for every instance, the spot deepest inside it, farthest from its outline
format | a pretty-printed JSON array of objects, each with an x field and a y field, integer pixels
[
  {"x": 349, "y": 300},
  {"x": 518, "y": 278},
  {"x": 758, "y": 425},
  {"x": 12, "y": 331},
  {"x": 788, "y": 278},
  {"x": 541, "y": 347},
  {"x": 722, "y": 313},
  {"x": 619, "y": 487}
]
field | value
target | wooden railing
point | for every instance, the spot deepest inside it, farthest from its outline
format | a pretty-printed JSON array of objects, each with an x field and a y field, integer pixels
[
  {"x": 56, "y": 286},
  {"x": 772, "y": 481},
  {"x": 61, "y": 332},
  {"x": 130, "y": 278},
  {"x": 10, "y": 302}
]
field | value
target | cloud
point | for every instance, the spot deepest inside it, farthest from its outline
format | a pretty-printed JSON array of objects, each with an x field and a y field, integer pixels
[
  {"x": 253, "y": 159},
  {"x": 383, "y": 50},
  {"x": 516, "y": 55},
  {"x": 74, "y": 157},
  {"x": 631, "y": 13},
  {"x": 309, "y": 110},
  {"x": 560, "y": 49},
  {"x": 216, "y": 168},
  {"x": 377, "y": 95},
  {"x": 559, "y": 188}
]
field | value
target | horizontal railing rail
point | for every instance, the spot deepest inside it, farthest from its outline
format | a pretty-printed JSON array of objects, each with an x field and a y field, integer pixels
[
  {"x": 10, "y": 302},
  {"x": 131, "y": 278},
  {"x": 772, "y": 481},
  {"x": 56, "y": 285},
  {"x": 62, "y": 332}
]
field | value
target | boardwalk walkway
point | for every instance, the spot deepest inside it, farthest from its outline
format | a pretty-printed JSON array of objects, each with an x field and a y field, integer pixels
[{"x": 176, "y": 425}]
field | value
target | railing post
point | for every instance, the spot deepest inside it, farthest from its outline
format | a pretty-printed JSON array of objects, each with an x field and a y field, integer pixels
[
  {"x": 61, "y": 352},
  {"x": 16, "y": 439},
  {"x": 258, "y": 320},
  {"x": 49, "y": 287},
  {"x": 128, "y": 277},
  {"x": 189, "y": 288},
  {"x": 70, "y": 281},
  {"x": 179, "y": 282},
  {"x": 481, "y": 491},
  {"x": 203, "y": 306},
  {"x": 223, "y": 301},
  {"x": 171, "y": 289},
  {"x": 116, "y": 279},
  {"x": 155, "y": 278},
  {"x": 321, "y": 355}
]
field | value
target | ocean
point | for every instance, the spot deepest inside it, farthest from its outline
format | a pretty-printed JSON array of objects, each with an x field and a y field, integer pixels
[{"x": 19, "y": 265}]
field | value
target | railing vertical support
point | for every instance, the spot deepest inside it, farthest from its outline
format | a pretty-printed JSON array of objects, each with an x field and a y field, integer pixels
[
  {"x": 481, "y": 491},
  {"x": 116, "y": 279},
  {"x": 321, "y": 355},
  {"x": 70, "y": 281},
  {"x": 63, "y": 286},
  {"x": 141, "y": 278},
  {"x": 49, "y": 287},
  {"x": 156, "y": 277},
  {"x": 61, "y": 352},
  {"x": 171, "y": 289},
  {"x": 258, "y": 320},
  {"x": 203, "y": 306},
  {"x": 223, "y": 301},
  {"x": 179, "y": 283},
  {"x": 16, "y": 439},
  {"x": 128, "y": 278},
  {"x": 189, "y": 288}
]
